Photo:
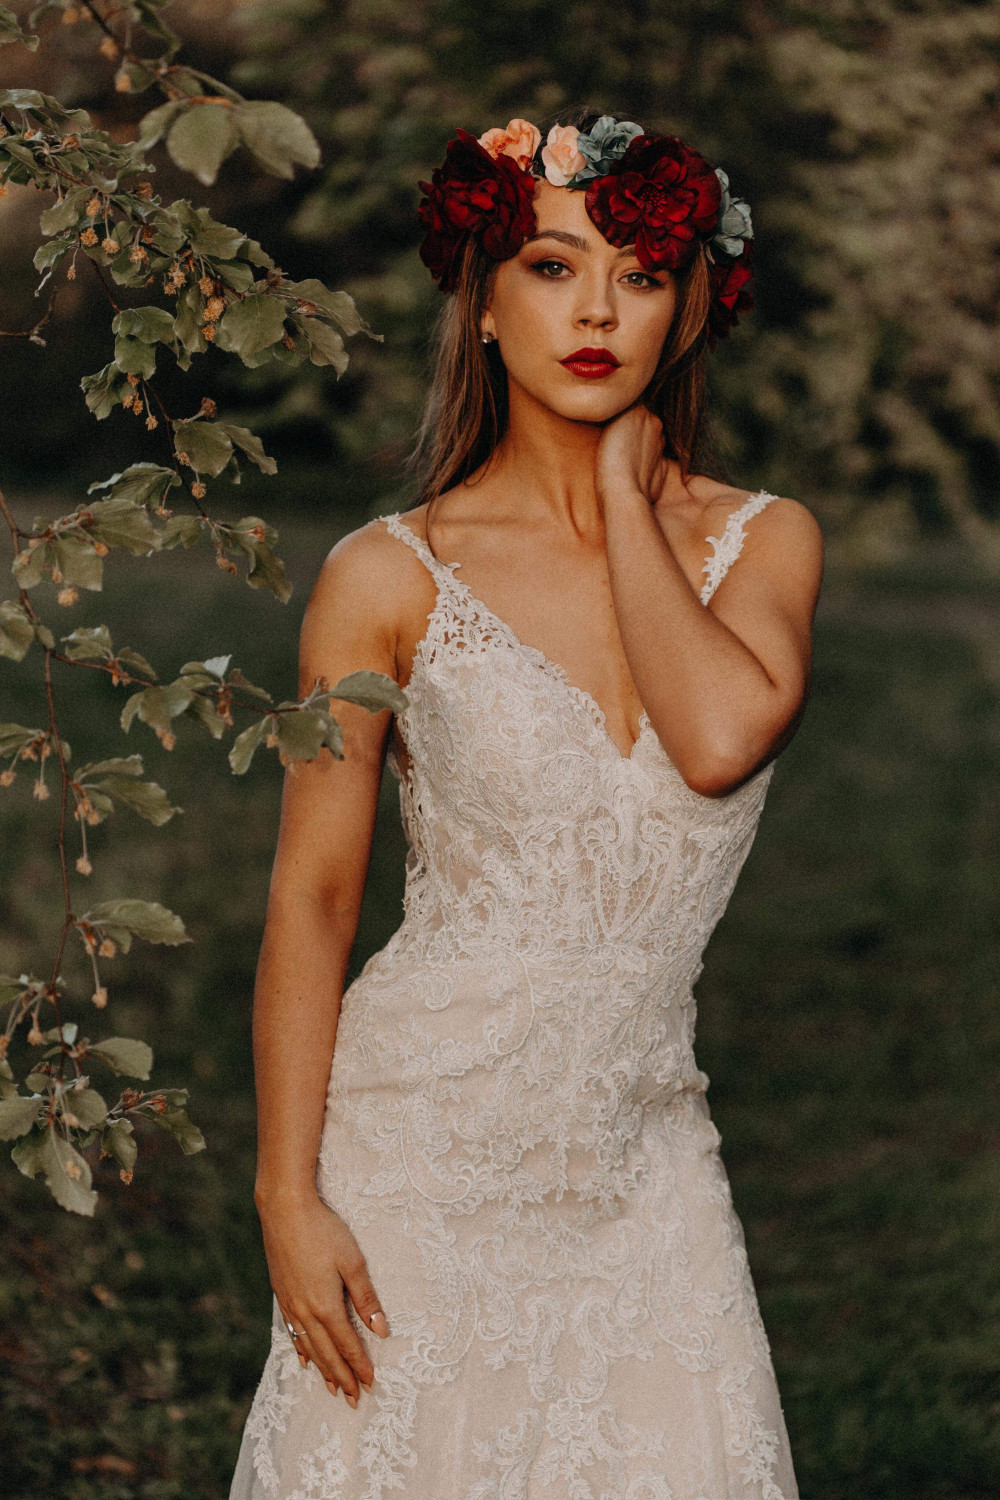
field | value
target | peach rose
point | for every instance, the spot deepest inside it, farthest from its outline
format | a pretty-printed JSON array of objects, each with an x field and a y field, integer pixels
[
  {"x": 520, "y": 140},
  {"x": 562, "y": 159}
]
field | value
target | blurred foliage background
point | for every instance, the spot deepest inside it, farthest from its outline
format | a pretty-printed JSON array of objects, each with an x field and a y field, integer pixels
[{"x": 848, "y": 1008}]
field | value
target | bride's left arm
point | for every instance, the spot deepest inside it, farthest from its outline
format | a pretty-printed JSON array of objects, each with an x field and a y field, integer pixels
[{"x": 725, "y": 685}]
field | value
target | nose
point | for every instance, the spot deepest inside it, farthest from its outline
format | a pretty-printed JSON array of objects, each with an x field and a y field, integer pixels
[{"x": 595, "y": 306}]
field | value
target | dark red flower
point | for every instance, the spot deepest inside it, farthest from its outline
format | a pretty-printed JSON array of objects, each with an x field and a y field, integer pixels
[
  {"x": 473, "y": 192},
  {"x": 730, "y": 293},
  {"x": 662, "y": 195}
]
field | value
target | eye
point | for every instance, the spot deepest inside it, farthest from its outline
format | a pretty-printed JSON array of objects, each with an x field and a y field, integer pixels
[
  {"x": 644, "y": 279},
  {"x": 549, "y": 268}
]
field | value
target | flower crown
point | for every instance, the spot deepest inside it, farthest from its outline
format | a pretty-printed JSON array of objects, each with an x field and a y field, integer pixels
[{"x": 650, "y": 189}]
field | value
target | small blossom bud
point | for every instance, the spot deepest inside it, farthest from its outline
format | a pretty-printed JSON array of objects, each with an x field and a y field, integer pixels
[
  {"x": 72, "y": 1168},
  {"x": 67, "y": 595},
  {"x": 69, "y": 1118},
  {"x": 88, "y": 237},
  {"x": 83, "y": 865},
  {"x": 110, "y": 246},
  {"x": 108, "y": 948},
  {"x": 143, "y": 190},
  {"x": 166, "y": 738},
  {"x": 93, "y": 817},
  {"x": 40, "y": 791},
  {"x": 206, "y": 285},
  {"x": 132, "y": 379},
  {"x": 138, "y": 254},
  {"x": 123, "y": 83},
  {"x": 7, "y": 776},
  {"x": 182, "y": 458},
  {"x": 57, "y": 576},
  {"x": 126, "y": 1176},
  {"x": 93, "y": 206},
  {"x": 109, "y": 47},
  {"x": 35, "y": 1037},
  {"x": 198, "y": 490},
  {"x": 214, "y": 308},
  {"x": 4, "y": 1044},
  {"x": 287, "y": 342},
  {"x": 70, "y": 15},
  {"x": 70, "y": 271},
  {"x": 208, "y": 332},
  {"x": 100, "y": 997},
  {"x": 162, "y": 510},
  {"x": 208, "y": 407},
  {"x": 102, "y": 549}
]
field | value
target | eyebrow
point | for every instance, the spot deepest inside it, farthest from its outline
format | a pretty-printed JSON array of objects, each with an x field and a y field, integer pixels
[{"x": 573, "y": 240}]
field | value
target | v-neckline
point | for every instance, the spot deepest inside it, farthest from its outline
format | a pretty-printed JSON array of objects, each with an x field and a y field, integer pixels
[{"x": 534, "y": 654}]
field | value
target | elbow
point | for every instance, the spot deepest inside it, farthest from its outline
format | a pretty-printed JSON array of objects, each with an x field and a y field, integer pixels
[{"x": 717, "y": 773}]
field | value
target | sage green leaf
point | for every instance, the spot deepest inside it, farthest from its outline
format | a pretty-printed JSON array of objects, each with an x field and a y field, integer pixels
[
  {"x": 88, "y": 643},
  {"x": 103, "y": 390},
  {"x": 134, "y": 357},
  {"x": 45, "y": 635},
  {"x": 146, "y": 798},
  {"x": 118, "y": 765},
  {"x": 67, "y": 1173},
  {"x": 251, "y": 446},
  {"x": 66, "y": 213},
  {"x": 186, "y": 1134},
  {"x": 88, "y": 1106},
  {"x": 303, "y": 733},
  {"x": 206, "y": 235},
  {"x": 10, "y": 31},
  {"x": 268, "y": 572},
  {"x": 120, "y": 522},
  {"x": 141, "y": 483},
  {"x": 183, "y": 530},
  {"x": 253, "y": 251},
  {"x": 237, "y": 679},
  {"x": 156, "y": 706},
  {"x": 217, "y": 665},
  {"x": 206, "y": 445},
  {"x": 17, "y": 631},
  {"x": 237, "y": 274},
  {"x": 252, "y": 324},
  {"x": 372, "y": 690},
  {"x": 339, "y": 306},
  {"x": 69, "y": 1030},
  {"x": 17, "y": 1115},
  {"x": 29, "y": 566},
  {"x": 326, "y": 347},
  {"x": 47, "y": 257},
  {"x": 150, "y": 324},
  {"x": 13, "y": 736},
  {"x": 78, "y": 562},
  {"x": 201, "y": 138},
  {"x": 188, "y": 323},
  {"x": 39, "y": 1082},
  {"x": 133, "y": 662},
  {"x": 118, "y": 1141},
  {"x": 204, "y": 709},
  {"x": 245, "y": 744},
  {"x": 154, "y": 125},
  {"x": 100, "y": 805},
  {"x": 127, "y": 917},
  {"x": 125, "y": 1055},
  {"x": 277, "y": 137}
]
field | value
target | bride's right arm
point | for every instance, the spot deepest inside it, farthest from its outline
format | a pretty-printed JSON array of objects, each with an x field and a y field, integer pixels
[{"x": 324, "y": 842}]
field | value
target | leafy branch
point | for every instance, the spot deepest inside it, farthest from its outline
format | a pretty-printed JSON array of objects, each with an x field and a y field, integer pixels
[{"x": 222, "y": 288}]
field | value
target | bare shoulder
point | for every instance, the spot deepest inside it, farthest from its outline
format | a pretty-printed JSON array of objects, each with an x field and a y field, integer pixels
[{"x": 787, "y": 532}]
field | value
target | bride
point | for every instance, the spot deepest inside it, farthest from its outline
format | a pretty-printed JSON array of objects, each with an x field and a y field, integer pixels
[{"x": 493, "y": 1205}]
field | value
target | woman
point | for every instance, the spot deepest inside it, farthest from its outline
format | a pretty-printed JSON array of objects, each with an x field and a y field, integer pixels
[{"x": 496, "y": 1217}]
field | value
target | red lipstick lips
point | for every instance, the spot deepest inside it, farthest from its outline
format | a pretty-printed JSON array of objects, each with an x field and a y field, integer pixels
[{"x": 591, "y": 364}]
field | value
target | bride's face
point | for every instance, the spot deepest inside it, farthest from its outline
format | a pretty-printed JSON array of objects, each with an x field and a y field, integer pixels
[{"x": 566, "y": 291}]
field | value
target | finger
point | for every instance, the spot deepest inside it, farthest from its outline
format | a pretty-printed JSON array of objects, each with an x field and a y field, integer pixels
[
  {"x": 365, "y": 1298},
  {"x": 326, "y": 1338},
  {"x": 296, "y": 1342}
]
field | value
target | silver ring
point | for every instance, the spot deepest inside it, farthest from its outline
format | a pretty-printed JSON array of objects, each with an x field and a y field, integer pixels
[{"x": 296, "y": 1333}]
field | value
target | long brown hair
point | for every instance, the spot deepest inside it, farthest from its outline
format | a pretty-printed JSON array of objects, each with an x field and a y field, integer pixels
[{"x": 465, "y": 413}]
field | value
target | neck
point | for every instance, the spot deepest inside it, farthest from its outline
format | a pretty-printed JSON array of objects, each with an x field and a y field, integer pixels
[{"x": 548, "y": 462}]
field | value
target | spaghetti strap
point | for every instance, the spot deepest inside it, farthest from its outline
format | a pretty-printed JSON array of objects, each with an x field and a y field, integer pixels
[
  {"x": 727, "y": 548},
  {"x": 441, "y": 571}
]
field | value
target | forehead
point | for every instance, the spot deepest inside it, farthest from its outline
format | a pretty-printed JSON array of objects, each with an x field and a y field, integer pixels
[{"x": 566, "y": 209}]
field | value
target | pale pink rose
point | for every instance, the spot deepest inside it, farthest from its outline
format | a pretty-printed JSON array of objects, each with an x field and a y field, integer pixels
[
  {"x": 562, "y": 159},
  {"x": 520, "y": 140}
]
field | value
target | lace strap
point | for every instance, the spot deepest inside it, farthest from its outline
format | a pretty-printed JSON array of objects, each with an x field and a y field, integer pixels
[
  {"x": 727, "y": 548},
  {"x": 441, "y": 571}
]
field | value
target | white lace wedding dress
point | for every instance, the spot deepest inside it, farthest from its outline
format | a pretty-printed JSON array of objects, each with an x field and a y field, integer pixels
[{"x": 516, "y": 1130}]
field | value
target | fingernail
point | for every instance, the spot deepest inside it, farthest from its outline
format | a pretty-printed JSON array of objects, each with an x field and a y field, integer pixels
[
  {"x": 367, "y": 1384},
  {"x": 351, "y": 1400},
  {"x": 380, "y": 1325}
]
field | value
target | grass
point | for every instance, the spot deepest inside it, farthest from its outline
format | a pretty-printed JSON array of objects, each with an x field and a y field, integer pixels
[{"x": 848, "y": 1020}]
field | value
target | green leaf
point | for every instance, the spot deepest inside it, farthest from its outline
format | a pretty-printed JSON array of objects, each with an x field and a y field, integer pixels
[
  {"x": 142, "y": 483},
  {"x": 88, "y": 643},
  {"x": 133, "y": 662},
  {"x": 251, "y": 325},
  {"x": 13, "y": 736},
  {"x": 78, "y": 562},
  {"x": 121, "y": 522},
  {"x": 180, "y": 530},
  {"x": 29, "y": 566},
  {"x": 146, "y": 798},
  {"x": 134, "y": 357},
  {"x": 154, "y": 125},
  {"x": 245, "y": 744},
  {"x": 372, "y": 690},
  {"x": 67, "y": 1173},
  {"x": 118, "y": 1141},
  {"x": 336, "y": 305},
  {"x": 118, "y": 765},
  {"x": 201, "y": 138},
  {"x": 206, "y": 444},
  {"x": 156, "y": 706},
  {"x": 65, "y": 213},
  {"x": 304, "y": 732},
  {"x": 237, "y": 274},
  {"x": 10, "y": 31},
  {"x": 206, "y": 235},
  {"x": 17, "y": 1115},
  {"x": 251, "y": 446},
  {"x": 187, "y": 1135},
  {"x": 326, "y": 347},
  {"x": 150, "y": 324},
  {"x": 126, "y": 917},
  {"x": 103, "y": 390},
  {"x": 16, "y": 629},
  {"x": 124, "y": 1055},
  {"x": 277, "y": 137},
  {"x": 88, "y": 1106}
]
